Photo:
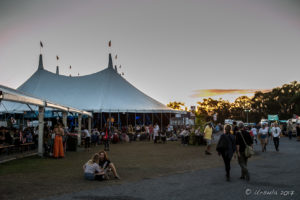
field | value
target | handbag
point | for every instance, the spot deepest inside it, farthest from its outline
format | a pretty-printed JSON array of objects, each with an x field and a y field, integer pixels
[{"x": 248, "y": 150}]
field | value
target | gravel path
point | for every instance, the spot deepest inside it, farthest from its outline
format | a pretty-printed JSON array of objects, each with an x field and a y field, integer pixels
[{"x": 274, "y": 176}]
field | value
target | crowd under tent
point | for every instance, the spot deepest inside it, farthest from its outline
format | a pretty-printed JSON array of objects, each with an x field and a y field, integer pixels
[
  {"x": 11, "y": 95},
  {"x": 107, "y": 94}
]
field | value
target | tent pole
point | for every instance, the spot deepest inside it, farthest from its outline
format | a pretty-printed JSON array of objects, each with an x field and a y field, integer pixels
[
  {"x": 118, "y": 120},
  {"x": 161, "y": 122},
  {"x": 79, "y": 128},
  {"x": 127, "y": 120},
  {"x": 41, "y": 131},
  {"x": 101, "y": 120},
  {"x": 109, "y": 120},
  {"x": 152, "y": 120},
  {"x": 143, "y": 119},
  {"x": 90, "y": 124},
  {"x": 135, "y": 119},
  {"x": 65, "y": 114}
]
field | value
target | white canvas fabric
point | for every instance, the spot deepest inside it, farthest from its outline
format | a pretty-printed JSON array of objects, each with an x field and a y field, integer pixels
[{"x": 104, "y": 91}]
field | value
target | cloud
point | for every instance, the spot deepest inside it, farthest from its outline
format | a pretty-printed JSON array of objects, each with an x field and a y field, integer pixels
[{"x": 219, "y": 92}]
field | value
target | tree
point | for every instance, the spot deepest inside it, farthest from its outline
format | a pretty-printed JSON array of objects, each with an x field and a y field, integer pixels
[{"x": 176, "y": 105}]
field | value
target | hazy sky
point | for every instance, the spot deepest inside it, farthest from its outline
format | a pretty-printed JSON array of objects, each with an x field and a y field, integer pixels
[{"x": 168, "y": 49}]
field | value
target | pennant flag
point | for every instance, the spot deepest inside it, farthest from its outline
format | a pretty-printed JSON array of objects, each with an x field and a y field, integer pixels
[
  {"x": 78, "y": 74},
  {"x": 123, "y": 73},
  {"x": 109, "y": 43},
  {"x": 57, "y": 58},
  {"x": 41, "y": 44},
  {"x": 116, "y": 57},
  {"x": 70, "y": 67}
]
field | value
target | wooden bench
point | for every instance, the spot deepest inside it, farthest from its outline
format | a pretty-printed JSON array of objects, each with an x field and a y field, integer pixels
[
  {"x": 26, "y": 145},
  {"x": 8, "y": 147}
]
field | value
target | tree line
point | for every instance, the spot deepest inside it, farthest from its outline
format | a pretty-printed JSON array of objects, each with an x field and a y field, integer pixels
[{"x": 283, "y": 101}]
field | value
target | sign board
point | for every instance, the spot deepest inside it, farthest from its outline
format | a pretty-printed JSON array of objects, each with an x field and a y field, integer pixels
[
  {"x": 273, "y": 117},
  {"x": 177, "y": 115}
]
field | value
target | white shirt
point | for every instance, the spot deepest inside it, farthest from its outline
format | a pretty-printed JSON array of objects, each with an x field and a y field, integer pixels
[
  {"x": 91, "y": 168},
  {"x": 170, "y": 128},
  {"x": 86, "y": 133},
  {"x": 254, "y": 131},
  {"x": 156, "y": 129},
  {"x": 276, "y": 132},
  {"x": 263, "y": 131}
]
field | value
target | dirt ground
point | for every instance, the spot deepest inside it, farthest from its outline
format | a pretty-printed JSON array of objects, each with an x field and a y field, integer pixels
[{"x": 34, "y": 177}]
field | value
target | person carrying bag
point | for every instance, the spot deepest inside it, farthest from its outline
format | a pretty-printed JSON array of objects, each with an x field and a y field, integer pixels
[{"x": 244, "y": 151}]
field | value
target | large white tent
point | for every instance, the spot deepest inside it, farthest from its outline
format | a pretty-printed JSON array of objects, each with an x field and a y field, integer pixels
[{"x": 104, "y": 91}]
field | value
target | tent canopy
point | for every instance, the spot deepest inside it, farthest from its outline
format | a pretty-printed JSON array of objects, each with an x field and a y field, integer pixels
[
  {"x": 11, "y": 95},
  {"x": 103, "y": 91}
]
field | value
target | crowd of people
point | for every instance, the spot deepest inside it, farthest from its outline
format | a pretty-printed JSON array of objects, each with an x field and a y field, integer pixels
[
  {"x": 17, "y": 137},
  {"x": 238, "y": 140},
  {"x": 235, "y": 142}
]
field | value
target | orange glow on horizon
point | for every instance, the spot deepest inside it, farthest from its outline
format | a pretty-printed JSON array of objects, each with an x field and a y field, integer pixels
[{"x": 219, "y": 92}]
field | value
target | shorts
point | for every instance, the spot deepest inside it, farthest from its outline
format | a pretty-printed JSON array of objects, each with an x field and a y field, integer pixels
[
  {"x": 263, "y": 136},
  {"x": 208, "y": 142}
]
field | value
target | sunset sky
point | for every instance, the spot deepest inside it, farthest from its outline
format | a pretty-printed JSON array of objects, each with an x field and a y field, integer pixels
[{"x": 171, "y": 50}]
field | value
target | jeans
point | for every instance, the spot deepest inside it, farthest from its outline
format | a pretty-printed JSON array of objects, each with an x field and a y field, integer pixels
[
  {"x": 226, "y": 160},
  {"x": 106, "y": 145},
  {"x": 276, "y": 142},
  {"x": 243, "y": 164},
  {"x": 87, "y": 143},
  {"x": 290, "y": 134},
  {"x": 89, "y": 176}
]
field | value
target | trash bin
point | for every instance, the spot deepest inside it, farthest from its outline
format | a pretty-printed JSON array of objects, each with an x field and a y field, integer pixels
[{"x": 72, "y": 142}]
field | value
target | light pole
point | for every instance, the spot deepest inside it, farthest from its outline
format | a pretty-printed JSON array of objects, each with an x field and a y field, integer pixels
[{"x": 247, "y": 111}]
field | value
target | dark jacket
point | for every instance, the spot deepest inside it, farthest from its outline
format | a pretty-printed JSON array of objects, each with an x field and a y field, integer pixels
[
  {"x": 226, "y": 145},
  {"x": 240, "y": 141}
]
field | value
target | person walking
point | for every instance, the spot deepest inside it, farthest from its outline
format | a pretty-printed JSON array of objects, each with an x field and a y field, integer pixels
[
  {"x": 243, "y": 138},
  {"x": 276, "y": 135},
  {"x": 208, "y": 137},
  {"x": 298, "y": 131},
  {"x": 290, "y": 129},
  {"x": 87, "y": 139},
  {"x": 226, "y": 147},
  {"x": 106, "y": 138},
  {"x": 254, "y": 132},
  {"x": 263, "y": 133}
]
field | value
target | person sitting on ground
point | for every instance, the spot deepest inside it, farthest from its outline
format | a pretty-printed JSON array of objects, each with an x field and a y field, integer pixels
[
  {"x": 182, "y": 134},
  {"x": 106, "y": 165},
  {"x": 91, "y": 169},
  {"x": 163, "y": 137}
]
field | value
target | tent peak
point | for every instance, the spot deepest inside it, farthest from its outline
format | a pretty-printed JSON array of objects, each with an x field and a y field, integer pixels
[
  {"x": 41, "y": 66},
  {"x": 110, "y": 62}
]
